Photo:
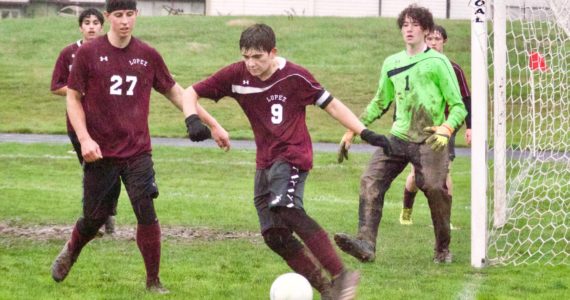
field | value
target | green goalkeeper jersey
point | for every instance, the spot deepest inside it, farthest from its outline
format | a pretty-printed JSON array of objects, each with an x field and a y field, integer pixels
[{"x": 421, "y": 85}]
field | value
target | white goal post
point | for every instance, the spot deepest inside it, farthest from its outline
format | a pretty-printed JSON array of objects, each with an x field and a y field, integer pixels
[{"x": 520, "y": 132}]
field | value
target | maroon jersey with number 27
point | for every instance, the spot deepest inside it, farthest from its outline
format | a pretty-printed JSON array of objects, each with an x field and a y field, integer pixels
[
  {"x": 275, "y": 108},
  {"x": 116, "y": 84}
]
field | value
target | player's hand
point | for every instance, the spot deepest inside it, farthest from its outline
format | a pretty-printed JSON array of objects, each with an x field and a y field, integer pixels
[
  {"x": 375, "y": 139},
  {"x": 439, "y": 136},
  {"x": 345, "y": 143},
  {"x": 90, "y": 151},
  {"x": 222, "y": 138},
  {"x": 468, "y": 136},
  {"x": 197, "y": 131}
]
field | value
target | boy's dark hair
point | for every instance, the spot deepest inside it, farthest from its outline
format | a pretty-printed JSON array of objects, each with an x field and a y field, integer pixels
[
  {"x": 419, "y": 14},
  {"x": 441, "y": 31},
  {"x": 113, "y": 5},
  {"x": 259, "y": 37},
  {"x": 91, "y": 12}
]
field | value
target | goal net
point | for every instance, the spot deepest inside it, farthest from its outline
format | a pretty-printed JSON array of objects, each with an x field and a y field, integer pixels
[{"x": 528, "y": 138}]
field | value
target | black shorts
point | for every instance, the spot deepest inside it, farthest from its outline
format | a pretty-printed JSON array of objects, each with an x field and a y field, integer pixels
[
  {"x": 451, "y": 146},
  {"x": 101, "y": 178},
  {"x": 282, "y": 185}
]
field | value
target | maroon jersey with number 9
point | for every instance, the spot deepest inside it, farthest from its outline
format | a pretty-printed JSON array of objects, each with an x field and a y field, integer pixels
[
  {"x": 116, "y": 84},
  {"x": 275, "y": 108}
]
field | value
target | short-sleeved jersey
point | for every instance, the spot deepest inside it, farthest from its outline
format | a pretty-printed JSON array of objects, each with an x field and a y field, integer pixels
[
  {"x": 116, "y": 85},
  {"x": 275, "y": 108},
  {"x": 422, "y": 85},
  {"x": 62, "y": 68}
]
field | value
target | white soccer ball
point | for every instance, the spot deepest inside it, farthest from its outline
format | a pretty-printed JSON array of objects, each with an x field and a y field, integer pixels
[{"x": 291, "y": 286}]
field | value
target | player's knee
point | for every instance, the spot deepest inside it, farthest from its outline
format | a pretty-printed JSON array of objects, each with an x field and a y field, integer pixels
[
  {"x": 88, "y": 227},
  {"x": 144, "y": 211},
  {"x": 281, "y": 241}
]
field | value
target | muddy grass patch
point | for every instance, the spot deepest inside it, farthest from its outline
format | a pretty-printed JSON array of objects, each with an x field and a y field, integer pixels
[{"x": 177, "y": 233}]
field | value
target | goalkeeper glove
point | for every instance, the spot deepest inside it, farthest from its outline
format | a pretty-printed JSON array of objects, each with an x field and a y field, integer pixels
[
  {"x": 197, "y": 131},
  {"x": 375, "y": 139},
  {"x": 439, "y": 136}
]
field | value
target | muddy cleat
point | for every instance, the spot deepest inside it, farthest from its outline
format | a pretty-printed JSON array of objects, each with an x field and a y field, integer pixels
[
  {"x": 63, "y": 263},
  {"x": 406, "y": 216},
  {"x": 442, "y": 257},
  {"x": 110, "y": 225},
  {"x": 360, "y": 249},
  {"x": 344, "y": 286},
  {"x": 156, "y": 287}
]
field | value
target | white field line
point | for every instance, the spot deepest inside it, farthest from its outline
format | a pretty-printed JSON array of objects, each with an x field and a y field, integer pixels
[{"x": 470, "y": 287}]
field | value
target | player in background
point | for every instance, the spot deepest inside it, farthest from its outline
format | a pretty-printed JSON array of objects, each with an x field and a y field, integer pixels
[
  {"x": 108, "y": 105},
  {"x": 90, "y": 25},
  {"x": 436, "y": 41},
  {"x": 422, "y": 83},
  {"x": 273, "y": 94}
]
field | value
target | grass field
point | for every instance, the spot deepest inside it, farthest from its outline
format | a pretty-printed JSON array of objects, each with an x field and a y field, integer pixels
[
  {"x": 210, "y": 191},
  {"x": 211, "y": 249}
]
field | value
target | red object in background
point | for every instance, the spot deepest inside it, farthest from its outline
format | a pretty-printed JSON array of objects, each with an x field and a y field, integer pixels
[{"x": 537, "y": 62}]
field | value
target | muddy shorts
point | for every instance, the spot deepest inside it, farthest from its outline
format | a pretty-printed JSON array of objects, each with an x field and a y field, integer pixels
[
  {"x": 451, "y": 146},
  {"x": 101, "y": 178},
  {"x": 281, "y": 185}
]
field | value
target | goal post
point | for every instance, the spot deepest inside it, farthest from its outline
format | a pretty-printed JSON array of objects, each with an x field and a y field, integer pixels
[
  {"x": 479, "y": 87},
  {"x": 521, "y": 132}
]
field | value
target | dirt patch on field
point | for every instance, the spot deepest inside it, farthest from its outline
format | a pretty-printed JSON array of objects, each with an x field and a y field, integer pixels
[
  {"x": 240, "y": 22},
  {"x": 55, "y": 232},
  {"x": 197, "y": 47}
]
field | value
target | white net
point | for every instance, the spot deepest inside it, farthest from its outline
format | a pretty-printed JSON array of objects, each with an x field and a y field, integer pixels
[{"x": 536, "y": 228}]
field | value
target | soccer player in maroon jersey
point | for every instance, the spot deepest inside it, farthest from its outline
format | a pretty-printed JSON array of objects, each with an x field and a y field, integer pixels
[
  {"x": 108, "y": 105},
  {"x": 90, "y": 25},
  {"x": 273, "y": 94},
  {"x": 436, "y": 40}
]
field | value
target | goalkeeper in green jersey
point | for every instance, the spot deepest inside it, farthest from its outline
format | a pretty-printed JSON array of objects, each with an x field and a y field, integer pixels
[
  {"x": 436, "y": 41},
  {"x": 422, "y": 83}
]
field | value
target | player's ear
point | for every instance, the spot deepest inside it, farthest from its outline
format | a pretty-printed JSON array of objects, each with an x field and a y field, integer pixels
[{"x": 273, "y": 52}]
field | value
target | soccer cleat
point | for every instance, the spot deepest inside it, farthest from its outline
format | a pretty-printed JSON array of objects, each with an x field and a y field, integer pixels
[
  {"x": 110, "y": 225},
  {"x": 156, "y": 287},
  {"x": 406, "y": 216},
  {"x": 63, "y": 263},
  {"x": 344, "y": 286},
  {"x": 360, "y": 249},
  {"x": 443, "y": 256}
]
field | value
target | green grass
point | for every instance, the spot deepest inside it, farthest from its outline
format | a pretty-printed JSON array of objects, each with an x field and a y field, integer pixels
[
  {"x": 206, "y": 188},
  {"x": 344, "y": 54}
]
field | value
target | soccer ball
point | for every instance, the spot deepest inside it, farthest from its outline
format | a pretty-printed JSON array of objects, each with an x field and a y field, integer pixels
[{"x": 291, "y": 286}]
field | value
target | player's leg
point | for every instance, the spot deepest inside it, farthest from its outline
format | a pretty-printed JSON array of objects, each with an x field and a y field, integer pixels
[
  {"x": 344, "y": 282},
  {"x": 98, "y": 179},
  {"x": 448, "y": 181},
  {"x": 374, "y": 183},
  {"x": 431, "y": 173},
  {"x": 279, "y": 238},
  {"x": 410, "y": 191},
  {"x": 138, "y": 178},
  {"x": 114, "y": 197}
]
